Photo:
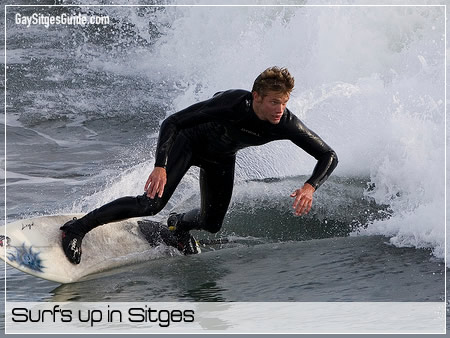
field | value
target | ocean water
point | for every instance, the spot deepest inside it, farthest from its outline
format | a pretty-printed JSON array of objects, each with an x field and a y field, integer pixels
[{"x": 84, "y": 105}]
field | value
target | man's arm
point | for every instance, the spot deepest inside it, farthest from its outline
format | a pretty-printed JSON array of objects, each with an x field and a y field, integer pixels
[
  {"x": 310, "y": 142},
  {"x": 326, "y": 162}
]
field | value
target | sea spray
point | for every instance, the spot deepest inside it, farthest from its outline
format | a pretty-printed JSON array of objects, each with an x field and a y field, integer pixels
[{"x": 369, "y": 81}]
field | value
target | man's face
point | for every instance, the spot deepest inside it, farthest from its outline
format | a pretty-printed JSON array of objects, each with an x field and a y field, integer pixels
[{"x": 270, "y": 107}]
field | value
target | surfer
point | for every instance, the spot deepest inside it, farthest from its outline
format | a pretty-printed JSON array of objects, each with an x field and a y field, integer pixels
[{"x": 208, "y": 134}]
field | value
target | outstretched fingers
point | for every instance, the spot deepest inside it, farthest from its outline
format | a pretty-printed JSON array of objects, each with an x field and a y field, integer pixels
[
  {"x": 302, "y": 204},
  {"x": 303, "y": 199}
]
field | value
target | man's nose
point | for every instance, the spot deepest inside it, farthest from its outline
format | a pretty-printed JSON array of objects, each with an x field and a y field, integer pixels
[{"x": 279, "y": 108}]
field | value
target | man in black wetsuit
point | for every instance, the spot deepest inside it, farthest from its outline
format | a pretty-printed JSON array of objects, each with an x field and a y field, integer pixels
[{"x": 208, "y": 134}]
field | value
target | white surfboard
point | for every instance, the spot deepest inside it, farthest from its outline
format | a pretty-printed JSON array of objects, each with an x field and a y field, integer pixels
[{"x": 34, "y": 246}]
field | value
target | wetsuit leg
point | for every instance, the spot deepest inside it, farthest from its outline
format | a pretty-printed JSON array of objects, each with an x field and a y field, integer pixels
[
  {"x": 216, "y": 188},
  {"x": 180, "y": 160}
]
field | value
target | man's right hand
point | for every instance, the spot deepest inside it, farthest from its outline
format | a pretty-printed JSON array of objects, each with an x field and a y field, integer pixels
[{"x": 156, "y": 182}]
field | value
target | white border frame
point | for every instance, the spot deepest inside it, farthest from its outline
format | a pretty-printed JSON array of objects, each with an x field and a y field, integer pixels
[{"x": 194, "y": 5}]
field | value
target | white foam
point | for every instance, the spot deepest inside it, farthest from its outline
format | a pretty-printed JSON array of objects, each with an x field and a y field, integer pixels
[{"x": 370, "y": 81}]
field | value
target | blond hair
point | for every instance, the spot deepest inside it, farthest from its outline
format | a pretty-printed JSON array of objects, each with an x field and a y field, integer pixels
[{"x": 273, "y": 79}]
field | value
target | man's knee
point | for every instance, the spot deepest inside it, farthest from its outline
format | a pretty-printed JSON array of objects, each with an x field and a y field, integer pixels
[{"x": 150, "y": 207}]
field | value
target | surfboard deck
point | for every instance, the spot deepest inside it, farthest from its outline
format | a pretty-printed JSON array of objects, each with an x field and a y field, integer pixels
[{"x": 34, "y": 246}]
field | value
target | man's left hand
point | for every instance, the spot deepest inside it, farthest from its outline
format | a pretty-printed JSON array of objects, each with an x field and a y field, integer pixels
[{"x": 303, "y": 199}]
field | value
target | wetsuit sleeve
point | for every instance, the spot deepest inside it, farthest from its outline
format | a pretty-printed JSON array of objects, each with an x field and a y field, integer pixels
[
  {"x": 309, "y": 141},
  {"x": 221, "y": 106}
]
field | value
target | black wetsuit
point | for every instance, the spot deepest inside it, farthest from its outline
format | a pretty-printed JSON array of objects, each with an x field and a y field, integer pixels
[{"x": 208, "y": 134}]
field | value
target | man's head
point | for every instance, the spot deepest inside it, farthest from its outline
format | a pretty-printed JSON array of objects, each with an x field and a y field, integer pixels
[
  {"x": 274, "y": 79},
  {"x": 271, "y": 91}
]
